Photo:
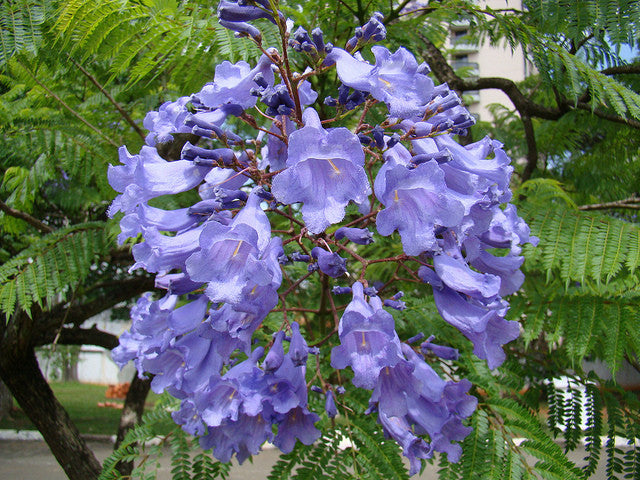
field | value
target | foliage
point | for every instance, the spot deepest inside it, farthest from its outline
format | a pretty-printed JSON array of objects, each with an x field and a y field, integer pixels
[{"x": 51, "y": 268}]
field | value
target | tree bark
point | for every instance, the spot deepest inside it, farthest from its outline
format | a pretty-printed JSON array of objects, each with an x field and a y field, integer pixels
[
  {"x": 132, "y": 415},
  {"x": 6, "y": 400},
  {"x": 20, "y": 371}
]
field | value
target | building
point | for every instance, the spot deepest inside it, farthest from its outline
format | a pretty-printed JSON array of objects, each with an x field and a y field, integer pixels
[{"x": 469, "y": 58}]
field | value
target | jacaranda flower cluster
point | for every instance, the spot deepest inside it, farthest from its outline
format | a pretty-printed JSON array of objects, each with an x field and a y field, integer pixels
[{"x": 334, "y": 180}]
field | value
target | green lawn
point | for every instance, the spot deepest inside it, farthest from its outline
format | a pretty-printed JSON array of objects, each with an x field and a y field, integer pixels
[{"x": 81, "y": 402}]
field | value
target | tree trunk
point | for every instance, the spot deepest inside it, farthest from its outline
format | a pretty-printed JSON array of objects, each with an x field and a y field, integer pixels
[
  {"x": 132, "y": 414},
  {"x": 20, "y": 372},
  {"x": 6, "y": 400}
]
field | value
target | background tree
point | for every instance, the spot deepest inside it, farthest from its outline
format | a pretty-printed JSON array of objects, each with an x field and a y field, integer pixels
[{"x": 78, "y": 77}]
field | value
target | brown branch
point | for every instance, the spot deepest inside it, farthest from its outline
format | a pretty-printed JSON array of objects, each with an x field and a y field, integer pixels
[
  {"x": 532, "y": 148},
  {"x": 622, "y": 69},
  {"x": 34, "y": 222},
  {"x": 113, "y": 101},
  {"x": 609, "y": 116},
  {"x": 632, "y": 203},
  {"x": 79, "y": 336},
  {"x": 76, "y": 314}
]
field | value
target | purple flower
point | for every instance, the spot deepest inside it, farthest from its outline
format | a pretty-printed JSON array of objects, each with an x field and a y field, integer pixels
[
  {"x": 168, "y": 119},
  {"x": 286, "y": 388},
  {"x": 244, "y": 437},
  {"x": 164, "y": 220},
  {"x": 298, "y": 423},
  {"x": 274, "y": 154},
  {"x": 482, "y": 323},
  {"x": 456, "y": 274},
  {"x": 161, "y": 253},
  {"x": 232, "y": 84},
  {"x": 189, "y": 417},
  {"x": 233, "y": 256},
  {"x": 473, "y": 159},
  {"x": 395, "y": 79},
  {"x": 147, "y": 175},
  {"x": 325, "y": 171},
  {"x": 416, "y": 201},
  {"x": 368, "y": 340},
  {"x": 413, "y": 447},
  {"x": 230, "y": 11}
]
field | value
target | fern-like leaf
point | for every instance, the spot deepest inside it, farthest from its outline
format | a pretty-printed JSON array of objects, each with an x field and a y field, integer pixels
[{"x": 50, "y": 267}]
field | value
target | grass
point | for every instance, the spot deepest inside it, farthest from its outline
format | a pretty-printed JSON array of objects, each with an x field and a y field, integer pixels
[{"x": 81, "y": 402}]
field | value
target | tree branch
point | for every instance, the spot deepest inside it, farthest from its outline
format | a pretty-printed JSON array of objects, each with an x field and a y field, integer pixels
[
  {"x": 113, "y": 101},
  {"x": 79, "y": 336},
  {"x": 621, "y": 69},
  {"x": 608, "y": 116},
  {"x": 532, "y": 148},
  {"x": 76, "y": 314},
  {"x": 34, "y": 222},
  {"x": 632, "y": 203}
]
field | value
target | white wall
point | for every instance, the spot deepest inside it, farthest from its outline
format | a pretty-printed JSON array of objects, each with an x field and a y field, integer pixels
[{"x": 94, "y": 363}]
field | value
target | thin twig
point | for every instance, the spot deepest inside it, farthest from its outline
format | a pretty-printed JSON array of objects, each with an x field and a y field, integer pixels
[
  {"x": 113, "y": 101},
  {"x": 65, "y": 105},
  {"x": 34, "y": 222}
]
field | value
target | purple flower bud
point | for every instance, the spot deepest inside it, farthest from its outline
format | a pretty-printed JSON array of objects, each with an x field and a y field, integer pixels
[
  {"x": 395, "y": 304},
  {"x": 260, "y": 80},
  {"x": 316, "y": 388},
  {"x": 395, "y": 138},
  {"x": 301, "y": 36},
  {"x": 242, "y": 28},
  {"x": 416, "y": 338},
  {"x": 283, "y": 260},
  {"x": 446, "y": 353},
  {"x": 331, "y": 102},
  {"x": 229, "y": 11},
  {"x": 343, "y": 94},
  {"x": 274, "y": 358},
  {"x": 371, "y": 291},
  {"x": 330, "y": 264},
  {"x": 330, "y": 405},
  {"x": 318, "y": 39},
  {"x": 374, "y": 29},
  {"x": 364, "y": 139},
  {"x": 263, "y": 194},
  {"x": 313, "y": 267},
  {"x": 361, "y": 236},
  {"x": 340, "y": 390},
  {"x": 378, "y": 136},
  {"x": 340, "y": 290},
  {"x": 299, "y": 257},
  {"x": 440, "y": 157},
  {"x": 351, "y": 44},
  {"x": 298, "y": 350}
]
